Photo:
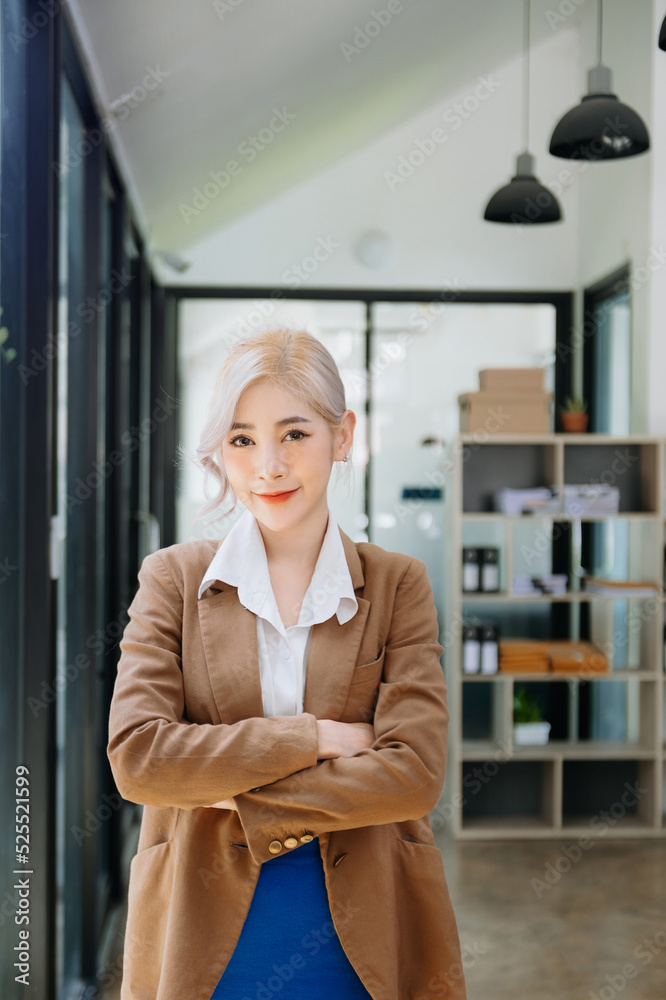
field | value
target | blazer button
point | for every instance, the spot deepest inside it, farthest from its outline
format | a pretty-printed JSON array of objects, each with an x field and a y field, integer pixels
[
  {"x": 275, "y": 847},
  {"x": 291, "y": 842},
  {"x": 306, "y": 838},
  {"x": 340, "y": 858}
]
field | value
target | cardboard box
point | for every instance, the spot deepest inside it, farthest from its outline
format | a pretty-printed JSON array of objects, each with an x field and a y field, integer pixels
[
  {"x": 506, "y": 413},
  {"x": 512, "y": 379}
]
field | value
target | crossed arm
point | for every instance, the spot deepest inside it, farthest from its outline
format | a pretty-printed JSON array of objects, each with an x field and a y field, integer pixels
[
  {"x": 159, "y": 760},
  {"x": 335, "y": 739}
]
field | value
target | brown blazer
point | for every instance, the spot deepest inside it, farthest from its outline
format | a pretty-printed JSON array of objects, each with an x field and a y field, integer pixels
[{"x": 187, "y": 729}]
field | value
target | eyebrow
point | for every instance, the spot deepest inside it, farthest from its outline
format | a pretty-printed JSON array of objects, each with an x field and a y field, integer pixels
[{"x": 278, "y": 423}]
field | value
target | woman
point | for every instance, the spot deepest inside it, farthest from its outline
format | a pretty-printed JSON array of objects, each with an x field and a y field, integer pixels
[{"x": 280, "y": 711}]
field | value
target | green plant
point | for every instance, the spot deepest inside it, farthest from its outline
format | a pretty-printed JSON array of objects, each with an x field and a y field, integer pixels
[
  {"x": 525, "y": 708},
  {"x": 574, "y": 404}
]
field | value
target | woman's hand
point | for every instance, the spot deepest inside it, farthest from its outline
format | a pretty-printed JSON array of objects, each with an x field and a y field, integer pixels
[
  {"x": 336, "y": 739},
  {"x": 343, "y": 739}
]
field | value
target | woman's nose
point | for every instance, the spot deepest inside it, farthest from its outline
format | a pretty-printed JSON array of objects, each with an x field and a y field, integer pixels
[{"x": 270, "y": 461}]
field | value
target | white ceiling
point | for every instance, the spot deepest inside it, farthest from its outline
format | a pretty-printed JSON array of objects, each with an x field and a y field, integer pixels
[{"x": 226, "y": 64}]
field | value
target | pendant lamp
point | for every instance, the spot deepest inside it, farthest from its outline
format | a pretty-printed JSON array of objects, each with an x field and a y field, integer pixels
[
  {"x": 524, "y": 200},
  {"x": 662, "y": 35},
  {"x": 600, "y": 127}
]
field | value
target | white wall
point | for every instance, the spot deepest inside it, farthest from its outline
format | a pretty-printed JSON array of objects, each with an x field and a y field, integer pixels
[
  {"x": 655, "y": 293},
  {"x": 616, "y": 203},
  {"x": 434, "y": 217}
]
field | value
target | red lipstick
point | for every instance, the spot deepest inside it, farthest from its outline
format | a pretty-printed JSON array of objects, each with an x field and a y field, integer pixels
[{"x": 276, "y": 497}]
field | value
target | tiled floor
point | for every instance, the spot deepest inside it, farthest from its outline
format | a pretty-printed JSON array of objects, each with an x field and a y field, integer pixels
[{"x": 587, "y": 928}]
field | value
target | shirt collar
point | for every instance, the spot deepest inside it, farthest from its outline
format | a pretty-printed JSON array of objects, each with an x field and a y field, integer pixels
[{"x": 240, "y": 560}]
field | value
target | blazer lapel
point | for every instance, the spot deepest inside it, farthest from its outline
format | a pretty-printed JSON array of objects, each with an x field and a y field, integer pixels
[{"x": 229, "y": 635}]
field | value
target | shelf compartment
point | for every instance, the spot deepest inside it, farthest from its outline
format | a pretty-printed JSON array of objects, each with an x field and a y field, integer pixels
[
  {"x": 486, "y": 712},
  {"x": 630, "y": 466},
  {"x": 513, "y": 794},
  {"x": 489, "y": 534},
  {"x": 520, "y": 465},
  {"x": 628, "y": 630},
  {"x": 608, "y": 793}
]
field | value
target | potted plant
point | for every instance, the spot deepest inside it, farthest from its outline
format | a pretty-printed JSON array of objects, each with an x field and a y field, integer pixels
[
  {"x": 573, "y": 415},
  {"x": 529, "y": 726}
]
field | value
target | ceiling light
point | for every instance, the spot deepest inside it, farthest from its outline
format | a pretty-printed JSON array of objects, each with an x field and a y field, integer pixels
[
  {"x": 524, "y": 200},
  {"x": 600, "y": 127}
]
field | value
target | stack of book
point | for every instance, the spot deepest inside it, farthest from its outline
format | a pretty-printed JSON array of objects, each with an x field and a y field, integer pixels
[
  {"x": 533, "y": 656},
  {"x": 540, "y": 499},
  {"x": 620, "y": 588},
  {"x": 518, "y": 656},
  {"x": 590, "y": 498},
  {"x": 567, "y": 657},
  {"x": 552, "y": 583}
]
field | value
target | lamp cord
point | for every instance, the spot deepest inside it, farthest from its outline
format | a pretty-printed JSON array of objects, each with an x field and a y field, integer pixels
[
  {"x": 526, "y": 73},
  {"x": 600, "y": 29}
]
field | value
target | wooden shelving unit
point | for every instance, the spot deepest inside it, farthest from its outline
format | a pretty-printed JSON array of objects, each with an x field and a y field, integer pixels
[{"x": 578, "y": 784}]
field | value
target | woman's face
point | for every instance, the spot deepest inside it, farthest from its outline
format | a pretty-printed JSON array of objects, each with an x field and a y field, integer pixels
[{"x": 284, "y": 446}]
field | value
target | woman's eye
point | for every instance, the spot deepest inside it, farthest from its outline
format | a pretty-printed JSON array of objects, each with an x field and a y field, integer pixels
[{"x": 242, "y": 437}]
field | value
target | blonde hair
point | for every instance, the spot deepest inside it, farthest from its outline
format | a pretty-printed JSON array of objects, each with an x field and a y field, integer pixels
[{"x": 292, "y": 359}]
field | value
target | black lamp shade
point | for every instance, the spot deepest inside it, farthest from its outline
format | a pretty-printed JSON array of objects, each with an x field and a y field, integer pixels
[
  {"x": 662, "y": 35},
  {"x": 524, "y": 201},
  {"x": 600, "y": 127}
]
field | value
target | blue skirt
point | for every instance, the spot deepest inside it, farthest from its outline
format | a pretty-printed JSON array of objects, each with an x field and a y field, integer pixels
[{"x": 288, "y": 947}]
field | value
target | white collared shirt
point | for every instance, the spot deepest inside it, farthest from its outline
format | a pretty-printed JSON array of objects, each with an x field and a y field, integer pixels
[{"x": 241, "y": 561}]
